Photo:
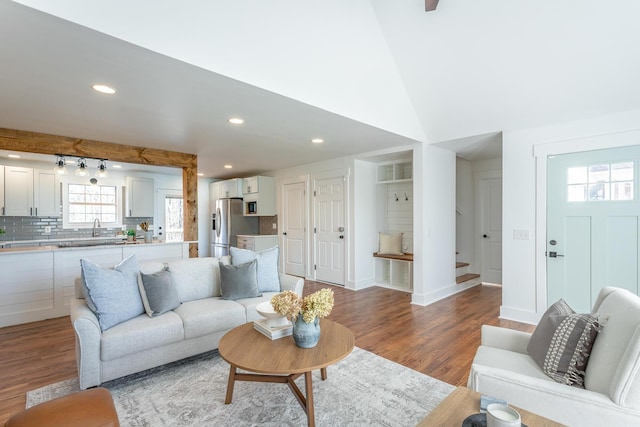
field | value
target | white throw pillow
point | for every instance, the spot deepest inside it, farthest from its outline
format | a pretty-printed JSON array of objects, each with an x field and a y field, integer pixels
[
  {"x": 390, "y": 244},
  {"x": 268, "y": 278}
]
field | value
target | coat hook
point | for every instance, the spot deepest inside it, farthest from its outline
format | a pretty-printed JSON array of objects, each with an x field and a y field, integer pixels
[
  {"x": 406, "y": 198},
  {"x": 396, "y": 194}
]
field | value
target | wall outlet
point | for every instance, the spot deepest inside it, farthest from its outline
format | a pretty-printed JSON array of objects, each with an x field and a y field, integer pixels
[
  {"x": 47, "y": 229},
  {"x": 275, "y": 225}
]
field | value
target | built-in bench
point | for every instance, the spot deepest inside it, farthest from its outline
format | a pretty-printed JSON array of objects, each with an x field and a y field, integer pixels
[{"x": 394, "y": 271}]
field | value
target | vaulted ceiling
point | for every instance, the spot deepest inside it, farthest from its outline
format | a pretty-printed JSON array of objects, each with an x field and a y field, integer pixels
[{"x": 364, "y": 75}]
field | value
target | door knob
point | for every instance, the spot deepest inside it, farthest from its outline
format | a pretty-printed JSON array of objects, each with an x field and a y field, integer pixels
[
  {"x": 341, "y": 236},
  {"x": 284, "y": 232},
  {"x": 485, "y": 236},
  {"x": 555, "y": 255}
]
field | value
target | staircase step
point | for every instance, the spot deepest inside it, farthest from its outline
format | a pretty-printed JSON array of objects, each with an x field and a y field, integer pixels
[
  {"x": 461, "y": 264},
  {"x": 466, "y": 277}
]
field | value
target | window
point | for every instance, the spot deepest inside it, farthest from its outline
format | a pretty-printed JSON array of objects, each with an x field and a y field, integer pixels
[
  {"x": 606, "y": 181},
  {"x": 88, "y": 202}
]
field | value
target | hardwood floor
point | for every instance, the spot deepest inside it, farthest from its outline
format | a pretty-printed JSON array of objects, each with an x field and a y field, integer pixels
[{"x": 438, "y": 340}]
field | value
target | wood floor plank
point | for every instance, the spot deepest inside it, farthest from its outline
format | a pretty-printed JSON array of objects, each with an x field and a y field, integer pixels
[{"x": 438, "y": 340}]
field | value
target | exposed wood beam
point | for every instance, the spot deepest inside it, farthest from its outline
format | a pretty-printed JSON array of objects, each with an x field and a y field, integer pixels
[
  {"x": 430, "y": 5},
  {"x": 42, "y": 143}
]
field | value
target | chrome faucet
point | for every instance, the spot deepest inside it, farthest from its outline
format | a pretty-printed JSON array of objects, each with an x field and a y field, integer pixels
[{"x": 95, "y": 232}]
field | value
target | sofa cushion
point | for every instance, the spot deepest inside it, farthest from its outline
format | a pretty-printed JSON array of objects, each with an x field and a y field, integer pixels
[
  {"x": 196, "y": 278},
  {"x": 210, "y": 315},
  {"x": 112, "y": 294},
  {"x": 562, "y": 341},
  {"x": 268, "y": 278},
  {"x": 239, "y": 281},
  {"x": 509, "y": 361},
  {"x": 158, "y": 292},
  {"x": 140, "y": 334}
]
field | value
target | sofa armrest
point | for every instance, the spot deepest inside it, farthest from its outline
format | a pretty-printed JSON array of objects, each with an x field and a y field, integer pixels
[
  {"x": 88, "y": 337},
  {"x": 504, "y": 338},
  {"x": 291, "y": 283}
]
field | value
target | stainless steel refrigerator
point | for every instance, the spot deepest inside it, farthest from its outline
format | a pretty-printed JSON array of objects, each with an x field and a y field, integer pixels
[{"x": 227, "y": 222}]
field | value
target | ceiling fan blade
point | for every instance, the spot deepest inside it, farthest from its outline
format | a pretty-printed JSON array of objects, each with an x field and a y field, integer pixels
[{"x": 430, "y": 5}]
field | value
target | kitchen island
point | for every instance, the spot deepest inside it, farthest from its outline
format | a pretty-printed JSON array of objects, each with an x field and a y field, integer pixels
[{"x": 38, "y": 281}]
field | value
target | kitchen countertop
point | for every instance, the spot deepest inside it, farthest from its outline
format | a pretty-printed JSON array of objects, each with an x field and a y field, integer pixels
[
  {"x": 257, "y": 235},
  {"x": 52, "y": 248}
]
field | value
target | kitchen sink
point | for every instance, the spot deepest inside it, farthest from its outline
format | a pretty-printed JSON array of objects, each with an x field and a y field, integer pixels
[{"x": 90, "y": 243}]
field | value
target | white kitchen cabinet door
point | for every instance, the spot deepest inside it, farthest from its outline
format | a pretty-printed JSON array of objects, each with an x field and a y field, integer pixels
[
  {"x": 250, "y": 185},
  {"x": 18, "y": 191},
  {"x": 46, "y": 193},
  {"x": 140, "y": 197},
  {"x": 230, "y": 188}
]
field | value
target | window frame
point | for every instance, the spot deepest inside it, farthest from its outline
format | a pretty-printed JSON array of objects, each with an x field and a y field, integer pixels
[{"x": 77, "y": 180}]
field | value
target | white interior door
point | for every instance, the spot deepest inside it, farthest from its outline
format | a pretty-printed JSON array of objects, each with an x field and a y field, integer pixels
[
  {"x": 592, "y": 224},
  {"x": 490, "y": 197},
  {"x": 293, "y": 228},
  {"x": 330, "y": 234}
]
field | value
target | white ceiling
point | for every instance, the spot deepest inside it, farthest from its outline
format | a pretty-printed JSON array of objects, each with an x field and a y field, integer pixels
[{"x": 364, "y": 75}]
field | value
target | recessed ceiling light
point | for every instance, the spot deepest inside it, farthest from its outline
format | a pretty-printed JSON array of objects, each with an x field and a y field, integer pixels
[
  {"x": 228, "y": 166},
  {"x": 236, "y": 120},
  {"x": 116, "y": 166},
  {"x": 14, "y": 156},
  {"x": 200, "y": 174},
  {"x": 317, "y": 140},
  {"x": 104, "y": 89}
]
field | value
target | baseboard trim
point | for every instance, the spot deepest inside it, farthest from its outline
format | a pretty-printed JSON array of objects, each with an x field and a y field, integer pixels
[
  {"x": 519, "y": 315},
  {"x": 441, "y": 293}
]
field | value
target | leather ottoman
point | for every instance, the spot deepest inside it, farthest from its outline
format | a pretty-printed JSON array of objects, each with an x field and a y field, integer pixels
[{"x": 87, "y": 408}]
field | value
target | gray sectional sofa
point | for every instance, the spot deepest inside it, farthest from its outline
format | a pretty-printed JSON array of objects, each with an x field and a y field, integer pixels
[{"x": 144, "y": 342}]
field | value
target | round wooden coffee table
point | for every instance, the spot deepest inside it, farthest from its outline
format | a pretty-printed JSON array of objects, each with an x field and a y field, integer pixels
[{"x": 281, "y": 361}]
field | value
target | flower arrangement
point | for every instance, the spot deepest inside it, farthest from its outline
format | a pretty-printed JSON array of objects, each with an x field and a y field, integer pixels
[{"x": 318, "y": 304}]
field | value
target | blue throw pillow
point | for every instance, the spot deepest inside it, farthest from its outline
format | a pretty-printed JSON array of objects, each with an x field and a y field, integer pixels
[
  {"x": 112, "y": 294},
  {"x": 268, "y": 279}
]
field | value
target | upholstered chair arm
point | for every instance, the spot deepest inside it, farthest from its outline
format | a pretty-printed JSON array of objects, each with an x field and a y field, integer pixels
[{"x": 504, "y": 338}]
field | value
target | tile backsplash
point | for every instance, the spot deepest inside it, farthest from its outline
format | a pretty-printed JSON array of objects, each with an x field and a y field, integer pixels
[
  {"x": 266, "y": 224},
  {"x": 33, "y": 228}
]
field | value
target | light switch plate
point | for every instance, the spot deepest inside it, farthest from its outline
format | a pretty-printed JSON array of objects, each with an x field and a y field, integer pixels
[
  {"x": 275, "y": 225},
  {"x": 521, "y": 234}
]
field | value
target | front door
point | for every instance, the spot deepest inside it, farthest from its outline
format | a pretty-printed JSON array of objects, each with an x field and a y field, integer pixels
[
  {"x": 329, "y": 207},
  {"x": 293, "y": 228},
  {"x": 592, "y": 224}
]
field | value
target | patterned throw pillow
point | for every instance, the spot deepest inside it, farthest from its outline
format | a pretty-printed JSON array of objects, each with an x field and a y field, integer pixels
[{"x": 562, "y": 342}]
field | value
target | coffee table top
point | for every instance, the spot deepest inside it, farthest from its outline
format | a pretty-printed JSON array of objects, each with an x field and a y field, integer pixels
[{"x": 248, "y": 349}]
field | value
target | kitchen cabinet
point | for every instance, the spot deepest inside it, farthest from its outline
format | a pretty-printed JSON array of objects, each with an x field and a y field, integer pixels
[
  {"x": 228, "y": 188},
  {"x": 140, "y": 197},
  {"x": 31, "y": 192},
  {"x": 259, "y": 196},
  {"x": 257, "y": 243}
]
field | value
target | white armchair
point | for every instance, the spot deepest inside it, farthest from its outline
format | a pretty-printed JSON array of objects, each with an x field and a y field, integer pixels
[{"x": 502, "y": 368}]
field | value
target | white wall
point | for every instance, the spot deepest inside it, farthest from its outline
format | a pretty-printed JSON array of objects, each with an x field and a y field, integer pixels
[
  {"x": 465, "y": 212},
  {"x": 434, "y": 185},
  {"x": 524, "y": 200},
  {"x": 363, "y": 220}
]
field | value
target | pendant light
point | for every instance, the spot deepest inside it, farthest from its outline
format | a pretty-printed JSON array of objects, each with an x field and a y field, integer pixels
[
  {"x": 102, "y": 169},
  {"x": 82, "y": 167},
  {"x": 59, "y": 167}
]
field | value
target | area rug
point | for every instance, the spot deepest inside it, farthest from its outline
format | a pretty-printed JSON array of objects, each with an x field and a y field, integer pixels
[{"x": 361, "y": 390}]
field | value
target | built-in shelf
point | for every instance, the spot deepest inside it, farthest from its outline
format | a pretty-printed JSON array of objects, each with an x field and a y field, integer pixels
[
  {"x": 394, "y": 272},
  {"x": 396, "y": 171}
]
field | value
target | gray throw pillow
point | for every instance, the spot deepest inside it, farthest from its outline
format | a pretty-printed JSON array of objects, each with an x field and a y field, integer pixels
[
  {"x": 268, "y": 278},
  {"x": 112, "y": 294},
  {"x": 158, "y": 292},
  {"x": 562, "y": 342},
  {"x": 239, "y": 281}
]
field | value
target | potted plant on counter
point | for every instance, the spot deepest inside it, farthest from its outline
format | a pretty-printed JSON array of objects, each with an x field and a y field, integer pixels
[{"x": 131, "y": 235}]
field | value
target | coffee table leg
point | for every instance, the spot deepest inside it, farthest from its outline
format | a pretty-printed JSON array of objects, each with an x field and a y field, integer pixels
[
  {"x": 311, "y": 417},
  {"x": 230, "y": 384},
  {"x": 323, "y": 373}
]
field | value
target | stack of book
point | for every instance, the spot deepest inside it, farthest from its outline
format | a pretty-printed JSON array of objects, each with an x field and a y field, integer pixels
[{"x": 272, "y": 332}]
